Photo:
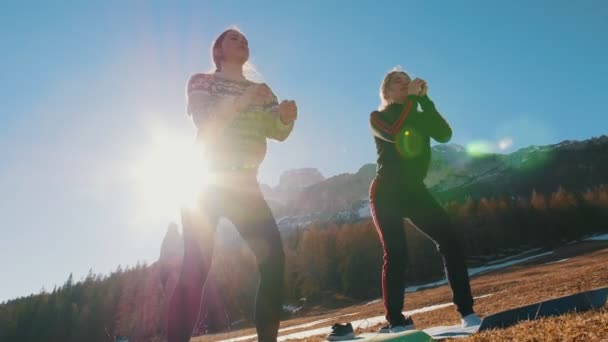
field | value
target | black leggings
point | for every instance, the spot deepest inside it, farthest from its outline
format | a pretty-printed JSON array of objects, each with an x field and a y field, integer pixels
[
  {"x": 243, "y": 204},
  {"x": 390, "y": 203}
]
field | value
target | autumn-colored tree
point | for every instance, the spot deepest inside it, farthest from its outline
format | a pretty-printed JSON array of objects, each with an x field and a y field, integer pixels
[{"x": 538, "y": 201}]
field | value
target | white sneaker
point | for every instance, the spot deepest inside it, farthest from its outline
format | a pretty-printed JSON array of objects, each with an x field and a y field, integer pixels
[{"x": 470, "y": 320}]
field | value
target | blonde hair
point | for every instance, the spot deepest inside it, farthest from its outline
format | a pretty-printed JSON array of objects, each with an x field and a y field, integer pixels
[
  {"x": 384, "y": 101},
  {"x": 249, "y": 70}
]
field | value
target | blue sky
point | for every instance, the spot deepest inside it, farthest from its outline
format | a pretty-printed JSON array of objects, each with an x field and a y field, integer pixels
[{"x": 87, "y": 87}]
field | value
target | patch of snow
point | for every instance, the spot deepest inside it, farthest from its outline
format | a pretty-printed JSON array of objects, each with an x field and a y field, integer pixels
[
  {"x": 513, "y": 256},
  {"x": 477, "y": 270},
  {"x": 415, "y": 288},
  {"x": 374, "y": 301},
  {"x": 292, "y": 308},
  {"x": 601, "y": 237},
  {"x": 365, "y": 211},
  {"x": 558, "y": 261},
  {"x": 299, "y": 326},
  {"x": 312, "y": 324},
  {"x": 482, "y": 269},
  {"x": 484, "y": 296}
]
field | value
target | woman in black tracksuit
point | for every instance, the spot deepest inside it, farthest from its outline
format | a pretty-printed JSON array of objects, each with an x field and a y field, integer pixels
[{"x": 402, "y": 134}]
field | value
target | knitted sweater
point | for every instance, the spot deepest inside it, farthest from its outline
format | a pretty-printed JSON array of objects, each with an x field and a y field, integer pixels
[{"x": 242, "y": 143}]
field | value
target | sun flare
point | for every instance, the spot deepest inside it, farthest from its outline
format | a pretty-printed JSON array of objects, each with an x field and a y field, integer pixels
[{"x": 169, "y": 174}]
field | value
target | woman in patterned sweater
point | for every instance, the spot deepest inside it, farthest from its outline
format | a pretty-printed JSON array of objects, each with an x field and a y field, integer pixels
[{"x": 234, "y": 117}]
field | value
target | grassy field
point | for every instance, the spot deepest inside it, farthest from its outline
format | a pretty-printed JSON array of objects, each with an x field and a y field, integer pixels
[{"x": 570, "y": 269}]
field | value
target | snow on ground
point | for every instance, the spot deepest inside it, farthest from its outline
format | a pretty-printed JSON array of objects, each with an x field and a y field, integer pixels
[
  {"x": 477, "y": 270},
  {"x": 365, "y": 211},
  {"x": 292, "y": 308},
  {"x": 482, "y": 269},
  {"x": 601, "y": 237},
  {"x": 558, "y": 261},
  {"x": 312, "y": 324},
  {"x": 415, "y": 288},
  {"x": 512, "y": 257},
  {"x": 363, "y": 323},
  {"x": 374, "y": 301},
  {"x": 299, "y": 326}
]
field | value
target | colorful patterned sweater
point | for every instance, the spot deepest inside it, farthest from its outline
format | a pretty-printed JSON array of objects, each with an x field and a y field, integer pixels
[
  {"x": 402, "y": 134},
  {"x": 242, "y": 143}
]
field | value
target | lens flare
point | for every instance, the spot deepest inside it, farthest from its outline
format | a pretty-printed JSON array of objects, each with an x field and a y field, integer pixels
[
  {"x": 505, "y": 144},
  {"x": 479, "y": 148},
  {"x": 409, "y": 143},
  {"x": 169, "y": 174}
]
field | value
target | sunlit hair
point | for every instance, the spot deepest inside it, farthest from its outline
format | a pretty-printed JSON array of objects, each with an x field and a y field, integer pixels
[
  {"x": 384, "y": 100},
  {"x": 249, "y": 70}
]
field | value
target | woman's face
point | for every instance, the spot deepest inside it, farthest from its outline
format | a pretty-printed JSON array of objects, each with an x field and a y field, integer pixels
[
  {"x": 234, "y": 48},
  {"x": 396, "y": 90}
]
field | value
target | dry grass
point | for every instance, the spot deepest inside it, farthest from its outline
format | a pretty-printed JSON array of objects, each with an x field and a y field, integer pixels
[
  {"x": 543, "y": 278},
  {"x": 587, "y": 326}
]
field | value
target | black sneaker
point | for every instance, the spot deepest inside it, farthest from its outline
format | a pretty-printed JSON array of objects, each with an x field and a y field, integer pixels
[
  {"x": 406, "y": 325},
  {"x": 341, "y": 332}
]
